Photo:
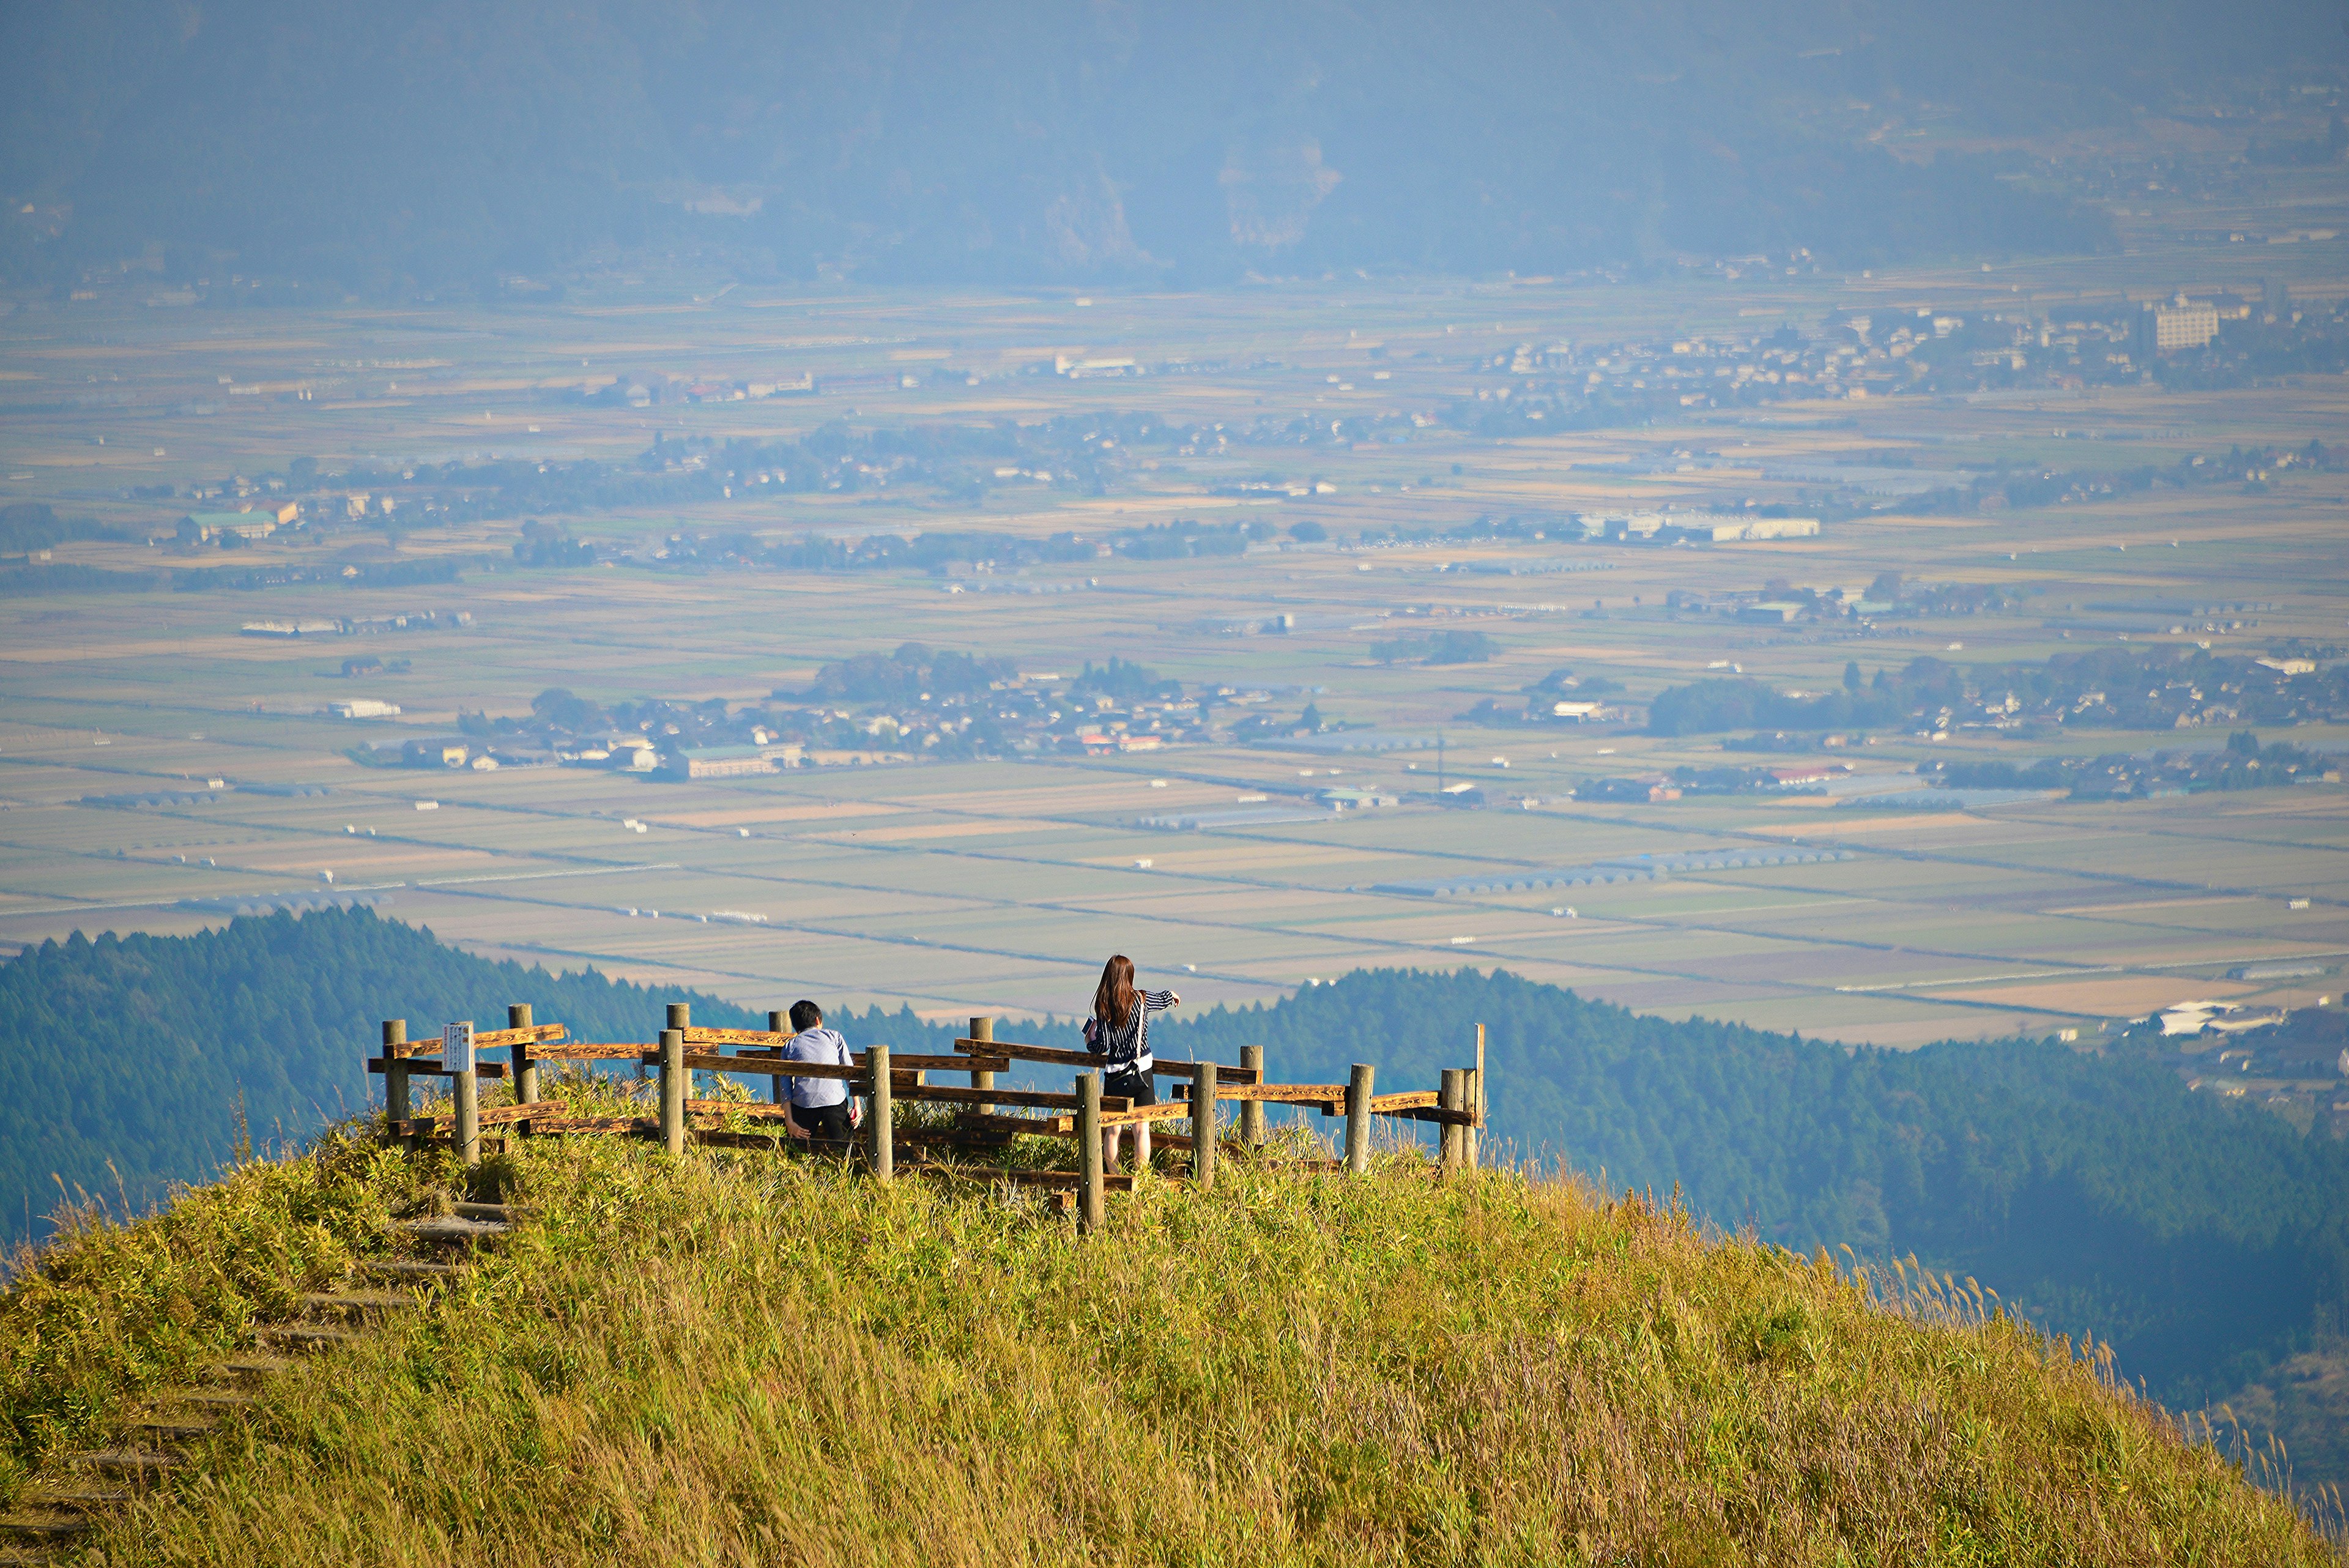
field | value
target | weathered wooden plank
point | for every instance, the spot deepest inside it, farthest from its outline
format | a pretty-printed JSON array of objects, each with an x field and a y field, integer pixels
[
  {"x": 497, "y": 1115},
  {"x": 1031, "y": 1099},
  {"x": 583, "y": 1052},
  {"x": 1404, "y": 1100},
  {"x": 1064, "y": 1057},
  {"x": 737, "y": 1036},
  {"x": 1056, "y": 1055},
  {"x": 502, "y": 1115},
  {"x": 1438, "y": 1114},
  {"x": 483, "y": 1039},
  {"x": 1065, "y": 1125},
  {"x": 433, "y": 1069},
  {"x": 1011, "y": 1127},
  {"x": 1276, "y": 1094},
  {"x": 647, "y": 1126},
  {"x": 769, "y": 1067},
  {"x": 900, "y": 1062},
  {"x": 750, "y": 1108}
]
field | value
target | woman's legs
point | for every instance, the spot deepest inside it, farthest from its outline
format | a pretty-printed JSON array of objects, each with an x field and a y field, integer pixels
[{"x": 1109, "y": 1149}]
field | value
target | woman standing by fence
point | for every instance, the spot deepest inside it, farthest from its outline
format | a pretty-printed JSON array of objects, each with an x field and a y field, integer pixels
[{"x": 1120, "y": 1030}]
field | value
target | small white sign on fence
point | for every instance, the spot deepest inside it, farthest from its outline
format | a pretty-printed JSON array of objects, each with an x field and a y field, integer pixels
[{"x": 457, "y": 1047}]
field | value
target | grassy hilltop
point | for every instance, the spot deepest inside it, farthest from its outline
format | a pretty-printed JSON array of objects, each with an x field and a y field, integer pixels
[
  {"x": 729, "y": 1358},
  {"x": 2207, "y": 1239}
]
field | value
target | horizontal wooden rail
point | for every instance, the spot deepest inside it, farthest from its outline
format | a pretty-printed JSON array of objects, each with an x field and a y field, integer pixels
[
  {"x": 433, "y": 1069},
  {"x": 1274, "y": 1094},
  {"x": 772, "y": 1067},
  {"x": 901, "y": 1089},
  {"x": 1066, "y": 1126},
  {"x": 1062, "y": 1057},
  {"x": 648, "y": 1125},
  {"x": 530, "y": 1034},
  {"x": 910, "y": 1143},
  {"x": 581, "y": 1051},
  {"x": 750, "y": 1108},
  {"x": 859, "y": 1073},
  {"x": 496, "y": 1116},
  {"x": 1438, "y": 1114},
  {"x": 1028, "y": 1099},
  {"x": 1324, "y": 1096},
  {"x": 737, "y": 1036}
]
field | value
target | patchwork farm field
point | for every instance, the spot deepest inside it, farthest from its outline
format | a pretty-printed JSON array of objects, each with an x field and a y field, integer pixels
[{"x": 955, "y": 886}]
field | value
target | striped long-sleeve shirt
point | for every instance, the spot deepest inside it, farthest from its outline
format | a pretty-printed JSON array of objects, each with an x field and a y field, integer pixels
[{"x": 1129, "y": 1046}]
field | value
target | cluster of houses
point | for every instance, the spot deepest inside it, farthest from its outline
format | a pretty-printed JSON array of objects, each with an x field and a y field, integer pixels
[{"x": 1650, "y": 527}]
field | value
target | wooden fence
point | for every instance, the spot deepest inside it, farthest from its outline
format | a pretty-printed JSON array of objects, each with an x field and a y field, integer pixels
[{"x": 885, "y": 1079}]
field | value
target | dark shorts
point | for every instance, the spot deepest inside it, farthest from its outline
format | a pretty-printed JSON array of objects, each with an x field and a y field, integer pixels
[
  {"x": 824, "y": 1123},
  {"x": 1137, "y": 1086}
]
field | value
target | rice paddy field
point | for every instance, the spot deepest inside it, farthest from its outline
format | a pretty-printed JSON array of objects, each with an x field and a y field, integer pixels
[{"x": 998, "y": 886}]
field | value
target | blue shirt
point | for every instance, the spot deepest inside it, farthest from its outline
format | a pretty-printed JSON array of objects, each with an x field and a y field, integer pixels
[{"x": 824, "y": 1045}]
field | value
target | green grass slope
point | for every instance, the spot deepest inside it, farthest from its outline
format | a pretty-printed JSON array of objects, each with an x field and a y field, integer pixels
[
  {"x": 731, "y": 1358},
  {"x": 2207, "y": 1241}
]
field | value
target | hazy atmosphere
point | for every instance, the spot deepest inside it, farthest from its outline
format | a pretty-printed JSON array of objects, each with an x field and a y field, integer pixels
[{"x": 1779, "y": 572}]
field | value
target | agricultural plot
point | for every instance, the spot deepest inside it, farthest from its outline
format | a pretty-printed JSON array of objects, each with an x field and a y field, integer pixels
[{"x": 956, "y": 887}]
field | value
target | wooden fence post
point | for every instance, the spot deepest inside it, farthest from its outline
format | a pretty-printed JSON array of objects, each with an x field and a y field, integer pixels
[
  {"x": 1476, "y": 1101},
  {"x": 524, "y": 1069},
  {"x": 1452, "y": 1097},
  {"x": 672, "y": 1089},
  {"x": 982, "y": 1030},
  {"x": 1474, "y": 1133},
  {"x": 1203, "y": 1126},
  {"x": 680, "y": 1019},
  {"x": 881, "y": 1109},
  {"x": 1358, "y": 1118},
  {"x": 779, "y": 1023},
  {"x": 467, "y": 1085},
  {"x": 1091, "y": 1209},
  {"x": 1252, "y": 1111},
  {"x": 394, "y": 1077}
]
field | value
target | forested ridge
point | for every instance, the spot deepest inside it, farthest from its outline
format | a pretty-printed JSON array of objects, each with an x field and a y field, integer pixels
[
  {"x": 126, "y": 1063},
  {"x": 2204, "y": 1240}
]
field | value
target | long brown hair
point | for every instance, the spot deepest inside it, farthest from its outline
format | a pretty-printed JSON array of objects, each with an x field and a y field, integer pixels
[{"x": 1115, "y": 998}]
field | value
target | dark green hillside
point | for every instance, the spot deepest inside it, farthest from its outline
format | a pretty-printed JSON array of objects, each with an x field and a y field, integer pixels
[
  {"x": 2203, "y": 1238},
  {"x": 124, "y": 1061}
]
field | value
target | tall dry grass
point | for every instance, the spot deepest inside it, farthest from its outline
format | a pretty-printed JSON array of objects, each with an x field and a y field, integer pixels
[
  {"x": 114, "y": 1307},
  {"x": 736, "y": 1359}
]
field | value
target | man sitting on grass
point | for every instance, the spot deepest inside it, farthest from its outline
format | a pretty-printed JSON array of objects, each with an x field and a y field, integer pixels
[{"x": 819, "y": 1109}]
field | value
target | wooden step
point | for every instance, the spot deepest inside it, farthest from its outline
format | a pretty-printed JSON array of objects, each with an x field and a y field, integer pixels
[
  {"x": 25, "y": 1557},
  {"x": 79, "y": 1498},
  {"x": 28, "y": 1526},
  {"x": 359, "y": 1301},
  {"x": 411, "y": 1269},
  {"x": 502, "y": 1211},
  {"x": 303, "y": 1335},
  {"x": 170, "y": 1426},
  {"x": 445, "y": 1229},
  {"x": 128, "y": 1462},
  {"x": 253, "y": 1368},
  {"x": 206, "y": 1399}
]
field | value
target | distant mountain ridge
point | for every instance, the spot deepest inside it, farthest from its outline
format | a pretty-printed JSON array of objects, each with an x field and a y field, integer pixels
[{"x": 457, "y": 142}]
